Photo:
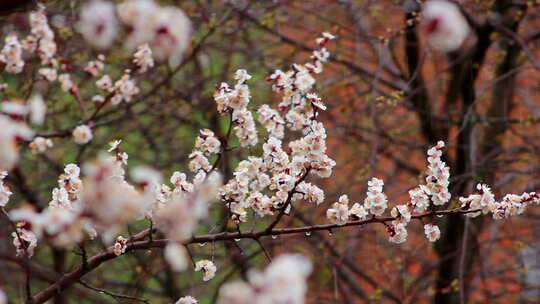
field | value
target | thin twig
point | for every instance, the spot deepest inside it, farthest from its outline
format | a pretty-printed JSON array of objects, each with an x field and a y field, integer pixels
[{"x": 116, "y": 296}]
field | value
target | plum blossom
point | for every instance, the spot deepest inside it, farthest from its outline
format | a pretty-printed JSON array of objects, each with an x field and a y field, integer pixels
[
  {"x": 11, "y": 55},
  {"x": 38, "y": 109},
  {"x": 309, "y": 192},
  {"x": 98, "y": 24},
  {"x": 143, "y": 58},
  {"x": 199, "y": 162},
  {"x": 176, "y": 255},
  {"x": 5, "y": 192},
  {"x": 208, "y": 268},
  {"x": 82, "y": 134},
  {"x": 104, "y": 83},
  {"x": 120, "y": 245},
  {"x": 444, "y": 24},
  {"x": 11, "y": 131},
  {"x": 438, "y": 175},
  {"x": 283, "y": 281},
  {"x": 432, "y": 232},
  {"x": 187, "y": 300},
  {"x": 95, "y": 67},
  {"x": 108, "y": 199},
  {"x": 25, "y": 242},
  {"x": 44, "y": 34},
  {"x": 166, "y": 29},
  {"x": 179, "y": 215},
  {"x": 419, "y": 199},
  {"x": 359, "y": 212},
  {"x": 40, "y": 144},
  {"x": 237, "y": 100},
  {"x": 375, "y": 201},
  {"x": 272, "y": 121},
  {"x": 207, "y": 142},
  {"x": 66, "y": 82},
  {"x": 48, "y": 73},
  {"x": 339, "y": 213},
  {"x": 124, "y": 89},
  {"x": 401, "y": 213},
  {"x": 398, "y": 233}
]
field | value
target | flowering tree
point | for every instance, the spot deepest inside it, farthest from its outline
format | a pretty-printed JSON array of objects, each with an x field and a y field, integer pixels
[{"x": 81, "y": 103}]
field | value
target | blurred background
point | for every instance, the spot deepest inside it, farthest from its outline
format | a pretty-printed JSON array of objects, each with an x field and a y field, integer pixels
[{"x": 390, "y": 96}]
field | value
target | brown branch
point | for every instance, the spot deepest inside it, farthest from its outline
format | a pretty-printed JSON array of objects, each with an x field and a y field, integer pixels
[{"x": 137, "y": 243}]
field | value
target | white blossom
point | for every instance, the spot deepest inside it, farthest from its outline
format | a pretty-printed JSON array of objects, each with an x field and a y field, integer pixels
[
  {"x": 398, "y": 233},
  {"x": 10, "y": 132},
  {"x": 375, "y": 201},
  {"x": 432, "y": 232},
  {"x": 98, "y": 23},
  {"x": 143, "y": 58},
  {"x": 82, "y": 134},
  {"x": 207, "y": 142},
  {"x": 208, "y": 268},
  {"x": 11, "y": 55},
  {"x": 444, "y": 24},
  {"x": 5, "y": 192},
  {"x": 187, "y": 300},
  {"x": 339, "y": 213},
  {"x": 176, "y": 255},
  {"x": 283, "y": 281},
  {"x": 40, "y": 144},
  {"x": 48, "y": 73},
  {"x": 120, "y": 245},
  {"x": 38, "y": 109}
]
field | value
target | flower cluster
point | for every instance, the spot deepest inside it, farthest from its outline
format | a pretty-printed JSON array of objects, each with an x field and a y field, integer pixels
[
  {"x": 207, "y": 142},
  {"x": 274, "y": 180},
  {"x": 375, "y": 203},
  {"x": 166, "y": 30},
  {"x": 236, "y": 101},
  {"x": 95, "y": 67},
  {"x": 339, "y": 213},
  {"x": 123, "y": 89},
  {"x": 61, "y": 222},
  {"x": 11, "y": 55},
  {"x": 177, "y": 211},
  {"x": 283, "y": 281},
  {"x": 43, "y": 35},
  {"x": 510, "y": 205},
  {"x": 24, "y": 240},
  {"x": 41, "y": 40},
  {"x": 105, "y": 204},
  {"x": 272, "y": 121},
  {"x": 438, "y": 175}
]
